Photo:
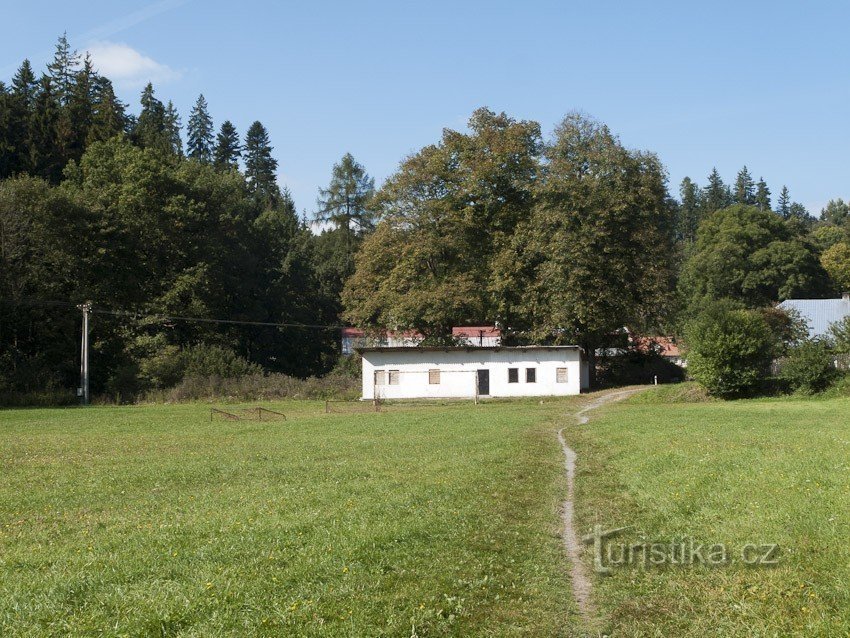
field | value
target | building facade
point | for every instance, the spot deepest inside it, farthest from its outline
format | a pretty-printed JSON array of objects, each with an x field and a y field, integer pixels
[
  {"x": 819, "y": 314},
  {"x": 468, "y": 372}
]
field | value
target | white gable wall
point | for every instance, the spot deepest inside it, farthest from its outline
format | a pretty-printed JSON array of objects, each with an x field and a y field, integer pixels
[{"x": 458, "y": 372}]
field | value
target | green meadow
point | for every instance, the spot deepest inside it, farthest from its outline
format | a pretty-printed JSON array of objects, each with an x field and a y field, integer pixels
[
  {"x": 430, "y": 519},
  {"x": 739, "y": 474},
  {"x": 421, "y": 520}
]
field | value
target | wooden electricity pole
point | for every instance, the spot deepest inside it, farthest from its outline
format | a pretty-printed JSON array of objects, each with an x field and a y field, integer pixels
[{"x": 84, "y": 354}]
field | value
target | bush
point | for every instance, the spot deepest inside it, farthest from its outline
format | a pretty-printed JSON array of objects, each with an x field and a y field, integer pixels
[
  {"x": 809, "y": 367},
  {"x": 261, "y": 387},
  {"x": 729, "y": 349},
  {"x": 169, "y": 365}
]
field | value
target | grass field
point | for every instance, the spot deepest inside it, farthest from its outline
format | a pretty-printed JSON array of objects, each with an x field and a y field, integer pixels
[
  {"x": 430, "y": 520},
  {"x": 761, "y": 471},
  {"x": 424, "y": 520}
]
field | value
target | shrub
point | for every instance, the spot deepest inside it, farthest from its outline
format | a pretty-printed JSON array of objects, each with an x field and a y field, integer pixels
[
  {"x": 729, "y": 349},
  {"x": 256, "y": 387},
  {"x": 169, "y": 365},
  {"x": 809, "y": 367}
]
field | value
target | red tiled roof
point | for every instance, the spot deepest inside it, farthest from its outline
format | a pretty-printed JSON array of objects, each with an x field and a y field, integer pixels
[
  {"x": 476, "y": 331},
  {"x": 665, "y": 346}
]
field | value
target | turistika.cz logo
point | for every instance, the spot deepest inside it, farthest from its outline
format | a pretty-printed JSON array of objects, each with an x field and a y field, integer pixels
[{"x": 609, "y": 555}]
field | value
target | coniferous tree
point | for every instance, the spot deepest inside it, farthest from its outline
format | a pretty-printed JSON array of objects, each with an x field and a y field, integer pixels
[
  {"x": 260, "y": 166},
  {"x": 689, "y": 210},
  {"x": 172, "y": 129},
  {"x": 43, "y": 141},
  {"x": 227, "y": 149},
  {"x": 836, "y": 212},
  {"x": 783, "y": 204},
  {"x": 7, "y": 148},
  {"x": 762, "y": 195},
  {"x": 150, "y": 129},
  {"x": 76, "y": 118},
  {"x": 63, "y": 69},
  {"x": 744, "y": 188},
  {"x": 345, "y": 202},
  {"x": 199, "y": 132},
  {"x": 108, "y": 116},
  {"x": 716, "y": 194},
  {"x": 22, "y": 96}
]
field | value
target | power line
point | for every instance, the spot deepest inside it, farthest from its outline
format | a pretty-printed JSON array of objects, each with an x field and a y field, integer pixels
[{"x": 158, "y": 317}]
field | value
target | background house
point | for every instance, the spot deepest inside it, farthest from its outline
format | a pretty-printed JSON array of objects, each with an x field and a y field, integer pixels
[
  {"x": 819, "y": 314},
  {"x": 474, "y": 336}
]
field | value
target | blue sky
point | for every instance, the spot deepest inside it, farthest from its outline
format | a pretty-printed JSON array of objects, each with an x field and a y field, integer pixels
[{"x": 722, "y": 84}]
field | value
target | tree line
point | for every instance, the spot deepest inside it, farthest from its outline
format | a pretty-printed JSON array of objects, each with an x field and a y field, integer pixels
[
  {"x": 565, "y": 238},
  {"x": 100, "y": 205}
]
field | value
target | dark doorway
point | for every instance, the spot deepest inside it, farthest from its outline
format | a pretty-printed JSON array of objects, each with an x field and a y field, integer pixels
[{"x": 483, "y": 382}]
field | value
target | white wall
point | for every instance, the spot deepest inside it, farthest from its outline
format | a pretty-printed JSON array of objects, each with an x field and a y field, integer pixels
[{"x": 458, "y": 372}]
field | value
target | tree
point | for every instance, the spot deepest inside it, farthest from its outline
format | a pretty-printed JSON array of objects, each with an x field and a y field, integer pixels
[
  {"x": 345, "y": 202},
  {"x": 150, "y": 130},
  {"x": 783, "y": 205},
  {"x": 716, "y": 194},
  {"x": 63, "y": 70},
  {"x": 762, "y": 199},
  {"x": 20, "y": 104},
  {"x": 809, "y": 367},
  {"x": 446, "y": 215},
  {"x": 729, "y": 349},
  {"x": 172, "y": 129},
  {"x": 751, "y": 256},
  {"x": 227, "y": 149},
  {"x": 836, "y": 212},
  {"x": 43, "y": 141},
  {"x": 77, "y": 117},
  {"x": 689, "y": 210},
  {"x": 598, "y": 251},
  {"x": 199, "y": 132},
  {"x": 836, "y": 261},
  {"x": 109, "y": 114},
  {"x": 744, "y": 188},
  {"x": 260, "y": 166}
]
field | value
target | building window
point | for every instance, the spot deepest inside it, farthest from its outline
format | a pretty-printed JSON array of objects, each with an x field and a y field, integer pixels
[
  {"x": 393, "y": 377},
  {"x": 561, "y": 375},
  {"x": 380, "y": 377},
  {"x": 513, "y": 375},
  {"x": 531, "y": 375},
  {"x": 434, "y": 377}
]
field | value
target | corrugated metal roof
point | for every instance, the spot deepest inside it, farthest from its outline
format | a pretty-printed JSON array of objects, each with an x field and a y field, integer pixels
[{"x": 819, "y": 314}]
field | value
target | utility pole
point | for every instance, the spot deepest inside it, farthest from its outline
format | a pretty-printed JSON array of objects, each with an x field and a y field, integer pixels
[{"x": 84, "y": 354}]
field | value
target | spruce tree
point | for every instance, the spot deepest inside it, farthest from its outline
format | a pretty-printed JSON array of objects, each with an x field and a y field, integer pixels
[
  {"x": 715, "y": 195},
  {"x": 7, "y": 148},
  {"x": 199, "y": 132},
  {"x": 22, "y": 96},
  {"x": 227, "y": 149},
  {"x": 783, "y": 204},
  {"x": 260, "y": 166},
  {"x": 744, "y": 188},
  {"x": 63, "y": 69},
  {"x": 345, "y": 202},
  {"x": 109, "y": 117},
  {"x": 149, "y": 131},
  {"x": 172, "y": 129},
  {"x": 762, "y": 199},
  {"x": 77, "y": 116},
  {"x": 43, "y": 141},
  {"x": 689, "y": 210}
]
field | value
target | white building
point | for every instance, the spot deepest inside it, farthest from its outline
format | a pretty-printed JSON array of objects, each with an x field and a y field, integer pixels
[
  {"x": 466, "y": 372},
  {"x": 819, "y": 314}
]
